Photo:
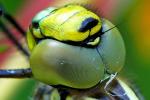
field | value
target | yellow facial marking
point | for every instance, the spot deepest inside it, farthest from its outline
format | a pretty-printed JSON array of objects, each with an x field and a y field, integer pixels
[
  {"x": 95, "y": 42},
  {"x": 64, "y": 24}
]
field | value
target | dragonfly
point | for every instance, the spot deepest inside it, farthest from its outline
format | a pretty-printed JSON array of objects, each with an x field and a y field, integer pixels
[{"x": 75, "y": 53}]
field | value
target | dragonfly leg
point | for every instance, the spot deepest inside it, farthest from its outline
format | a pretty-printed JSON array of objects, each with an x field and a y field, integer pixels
[
  {"x": 8, "y": 33},
  {"x": 16, "y": 73}
]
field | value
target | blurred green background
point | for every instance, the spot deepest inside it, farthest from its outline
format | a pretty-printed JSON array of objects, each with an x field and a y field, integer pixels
[{"x": 133, "y": 20}]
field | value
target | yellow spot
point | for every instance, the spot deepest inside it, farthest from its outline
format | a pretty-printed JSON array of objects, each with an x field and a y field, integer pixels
[
  {"x": 95, "y": 42},
  {"x": 37, "y": 33}
]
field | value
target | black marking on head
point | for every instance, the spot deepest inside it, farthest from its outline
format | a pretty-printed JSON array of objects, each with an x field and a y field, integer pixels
[
  {"x": 35, "y": 24},
  {"x": 87, "y": 24}
]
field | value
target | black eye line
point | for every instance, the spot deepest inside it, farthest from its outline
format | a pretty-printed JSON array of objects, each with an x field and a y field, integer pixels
[
  {"x": 80, "y": 43},
  {"x": 75, "y": 43},
  {"x": 84, "y": 42}
]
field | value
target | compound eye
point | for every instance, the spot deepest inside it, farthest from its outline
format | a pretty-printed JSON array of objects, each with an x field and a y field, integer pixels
[{"x": 88, "y": 24}]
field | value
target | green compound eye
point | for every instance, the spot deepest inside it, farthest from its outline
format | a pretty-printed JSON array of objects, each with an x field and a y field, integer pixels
[
  {"x": 56, "y": 62},
  {"x": 112, "y": 48}
]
